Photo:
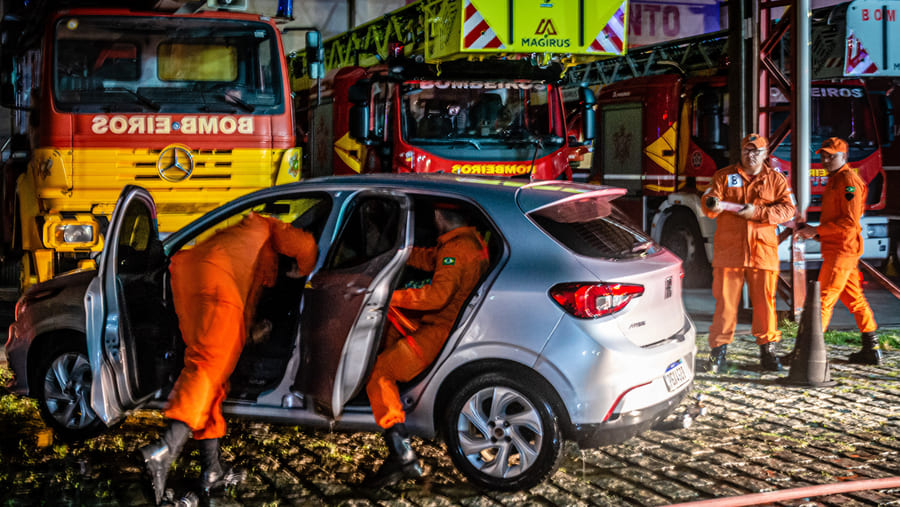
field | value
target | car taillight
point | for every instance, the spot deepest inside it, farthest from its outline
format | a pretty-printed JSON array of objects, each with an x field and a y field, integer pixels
[{"x": 592, "y": 300}]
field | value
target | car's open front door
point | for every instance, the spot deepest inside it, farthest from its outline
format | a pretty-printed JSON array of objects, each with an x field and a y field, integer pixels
[
  {"x": 345, "y": 302},
  {"x": 123, "y": 345}
]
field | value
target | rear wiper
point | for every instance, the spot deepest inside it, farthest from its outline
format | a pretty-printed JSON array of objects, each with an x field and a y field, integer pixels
[
  {"x": 642, "y": 248},
  {"x": 144, "y": 101}
]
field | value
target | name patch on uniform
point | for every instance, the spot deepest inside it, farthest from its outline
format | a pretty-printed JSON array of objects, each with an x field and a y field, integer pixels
[
  {"x": 735, "y": 180},
  {"x": 448, "y": 261}
]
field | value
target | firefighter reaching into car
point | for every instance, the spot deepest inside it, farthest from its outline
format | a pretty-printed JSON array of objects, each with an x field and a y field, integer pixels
[
  {"x": 748, "y": 200},
  {"x": 413, "y": 341},
  {"x": 840, "y": 235},
  {"x": 215, "y": 286}
]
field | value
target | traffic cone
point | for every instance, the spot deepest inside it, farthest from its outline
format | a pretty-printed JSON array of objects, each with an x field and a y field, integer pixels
[{"x": 810, "y": 361}]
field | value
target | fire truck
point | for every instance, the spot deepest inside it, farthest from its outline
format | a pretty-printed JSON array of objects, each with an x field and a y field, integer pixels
[
  {"x": 455, "y": 86},
  {"x": 195, "y": 107},
  {"x": 662, "y": 131}
]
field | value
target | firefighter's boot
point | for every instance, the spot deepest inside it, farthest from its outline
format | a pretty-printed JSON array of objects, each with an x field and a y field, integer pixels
[
  {"x": 716, "y": 362},
  {"x": 401, "y": 462},
  {"x": 768, "y": 359},
  {"x": 158, "y": 457},
  {"x": 213, "y": 477},
  {"x": 870, "y": 353}
]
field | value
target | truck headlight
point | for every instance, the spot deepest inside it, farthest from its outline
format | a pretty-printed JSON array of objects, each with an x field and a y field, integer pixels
[
  {"x": 70, "y": 234},
  {"x": 877, "y": 230}
]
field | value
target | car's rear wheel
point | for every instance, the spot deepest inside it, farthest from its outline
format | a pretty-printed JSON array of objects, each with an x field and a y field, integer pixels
[
  {"x": 502, "y": 433},
  {"x": 64, "y": 394}
]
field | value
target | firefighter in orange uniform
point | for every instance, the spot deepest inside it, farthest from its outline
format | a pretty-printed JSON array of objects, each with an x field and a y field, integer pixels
[
  {"x": 840, "y": 235},
  {"x": 458, "y": 262},
  {"x": 215, "y": 287},
  {"x": 745, "y": 249}
]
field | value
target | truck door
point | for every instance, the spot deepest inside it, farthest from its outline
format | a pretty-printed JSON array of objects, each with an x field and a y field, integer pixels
[
  {"x": 345, "y": 302},
  {"x": 621, "y": 139},
  {"x": 131, "y": 330}
]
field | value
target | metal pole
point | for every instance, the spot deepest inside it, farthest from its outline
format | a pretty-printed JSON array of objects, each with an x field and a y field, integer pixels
[{"x": 800, "y": 135}]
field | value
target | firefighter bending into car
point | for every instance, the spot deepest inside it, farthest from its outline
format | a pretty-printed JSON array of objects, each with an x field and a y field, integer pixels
[
  {"x": 215, "y": 287},
  {"x": 422, "y": 319},
  {"x": 745, "y": 249},
  {"x": 840, "y": 235}
]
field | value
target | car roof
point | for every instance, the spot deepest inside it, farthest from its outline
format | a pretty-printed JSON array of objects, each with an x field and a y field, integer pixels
[{"x": 485, "y": 190}]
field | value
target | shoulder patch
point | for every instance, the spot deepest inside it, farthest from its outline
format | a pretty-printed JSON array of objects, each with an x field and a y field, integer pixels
[
  {"x": 850, "y": 189},
  {"x": 448, "y": 261},
  {"x": 849, "y": 196}
]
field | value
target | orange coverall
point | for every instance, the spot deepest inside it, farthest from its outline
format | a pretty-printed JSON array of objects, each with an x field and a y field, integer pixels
[
  {"x": 458, "y": 262},
  {"x": 215, "y": 286},
  {"x": 747, "y": 250},
  {"x": 843, "y": 203}
]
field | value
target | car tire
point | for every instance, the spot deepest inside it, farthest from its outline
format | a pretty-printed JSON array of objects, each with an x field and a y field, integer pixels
[
  {"x": 492, "y": 423},
  {"x": 63, "y": 387},
  {"x": 682, "y": 237}
]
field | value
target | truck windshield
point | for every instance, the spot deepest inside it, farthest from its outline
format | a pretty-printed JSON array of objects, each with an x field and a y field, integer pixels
[
  {"x": 482, "y": 111},
  {"x": 160, "y": 64},
  {"x": 837, "y": 111}
]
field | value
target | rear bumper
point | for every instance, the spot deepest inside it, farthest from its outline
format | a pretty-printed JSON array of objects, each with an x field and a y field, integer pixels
[{"x": 625, "y": 426}]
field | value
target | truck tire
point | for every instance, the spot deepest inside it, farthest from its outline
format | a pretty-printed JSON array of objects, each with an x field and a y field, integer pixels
[{"x": 681, "y": 235}]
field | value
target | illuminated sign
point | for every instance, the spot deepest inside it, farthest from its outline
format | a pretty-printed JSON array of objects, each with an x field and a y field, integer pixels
[{"x": 165, "y": 124}]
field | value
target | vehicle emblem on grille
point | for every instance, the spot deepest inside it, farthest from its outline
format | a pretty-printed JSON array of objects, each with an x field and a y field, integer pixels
[
  {"x": 175, "y": 164},
  {"x": 668, "y": 287}
]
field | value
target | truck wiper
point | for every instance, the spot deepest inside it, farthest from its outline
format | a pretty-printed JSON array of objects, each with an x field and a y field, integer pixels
[
  {"x": 469, "y": 141},
  {"x": 231, "y": 99},
  {"x": 144, "y": 101}
]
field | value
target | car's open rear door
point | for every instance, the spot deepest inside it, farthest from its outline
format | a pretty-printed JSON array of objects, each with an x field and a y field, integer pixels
[
  {"x": 130, "y": 271},
  {"x": 346, "y": 301}
]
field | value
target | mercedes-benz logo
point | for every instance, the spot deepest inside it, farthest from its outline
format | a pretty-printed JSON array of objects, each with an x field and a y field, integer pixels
[{"x": 175, "y": 164}]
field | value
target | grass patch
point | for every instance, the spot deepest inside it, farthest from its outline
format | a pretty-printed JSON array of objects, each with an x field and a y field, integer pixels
[{"x": 889, "y": 338}]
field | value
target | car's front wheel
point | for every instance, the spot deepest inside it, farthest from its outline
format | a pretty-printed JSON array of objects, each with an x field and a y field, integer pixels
[
  {"x": 502, "y": 433},
  {"x": 64, "y": 394}
]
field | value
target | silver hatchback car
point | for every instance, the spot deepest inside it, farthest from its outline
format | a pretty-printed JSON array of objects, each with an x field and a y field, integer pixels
[{"x": 577, "y": 331}]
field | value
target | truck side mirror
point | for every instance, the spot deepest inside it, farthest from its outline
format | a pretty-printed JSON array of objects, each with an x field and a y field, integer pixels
[
  {"x": 358, "y": 96},
  {"x": 315, "y": 55},
  {"x": 588, "y": 118},
  {"x": 885, "y": 121}
]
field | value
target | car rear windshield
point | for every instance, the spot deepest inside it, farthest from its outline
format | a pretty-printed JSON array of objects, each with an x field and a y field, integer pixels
[{"x": 605, "y": 237}]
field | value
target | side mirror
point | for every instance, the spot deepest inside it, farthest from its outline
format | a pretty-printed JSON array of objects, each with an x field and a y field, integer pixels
[
  {"x": 358, "y": 95},
  {"x": 885, "y": 120},
  {"x": 315, "y": 55},
  {"x": 588, "y": 118}
]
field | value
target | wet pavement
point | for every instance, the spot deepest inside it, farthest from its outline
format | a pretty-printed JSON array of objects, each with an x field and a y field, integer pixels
[{"x": 757, "y": 436}]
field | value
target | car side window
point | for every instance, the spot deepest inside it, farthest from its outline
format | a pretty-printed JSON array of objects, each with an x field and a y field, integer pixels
[
  {"x": 371, "y": 229},
  {"x": 138, "y": 242},
  {"x": 308, "y": 212}
]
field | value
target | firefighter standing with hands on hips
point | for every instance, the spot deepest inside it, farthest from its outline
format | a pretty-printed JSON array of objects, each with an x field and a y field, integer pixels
[
  {"x": 748, "y": 200},
  {"x": 215, "y": 287},
  {"x": 422, "y": 319},
  {"x": 839, "y": 233}
]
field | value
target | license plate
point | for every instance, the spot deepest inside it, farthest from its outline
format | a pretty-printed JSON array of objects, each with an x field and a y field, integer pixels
[{"x": 676, "y": 375}]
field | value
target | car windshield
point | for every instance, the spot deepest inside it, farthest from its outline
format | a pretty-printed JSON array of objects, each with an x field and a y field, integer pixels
[
  {"x": 138, "y": 64},
  {"x": 481, "y": 112},
  {"x": 836, "y": 111}
]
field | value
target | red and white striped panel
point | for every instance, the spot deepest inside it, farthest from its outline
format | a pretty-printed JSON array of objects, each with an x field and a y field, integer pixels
[
  {"x": 477, "y": 34},
  {"x": 612, "y": 38},
  {"x": 858, "y": 61}
]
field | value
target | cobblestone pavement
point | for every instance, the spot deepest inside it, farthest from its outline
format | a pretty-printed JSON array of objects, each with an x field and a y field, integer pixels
[{"x": 757, "y": 436}]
